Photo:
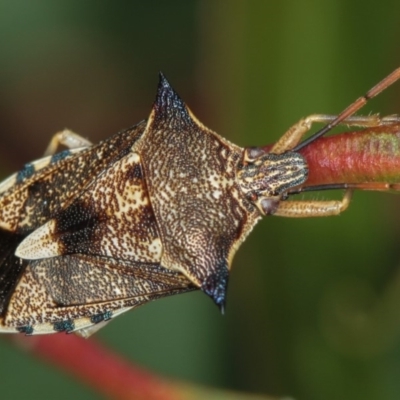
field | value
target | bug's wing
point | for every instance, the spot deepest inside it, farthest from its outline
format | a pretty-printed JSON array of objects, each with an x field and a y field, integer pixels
[
  {"x": 99, "y": 256},
  {"x": 77, "y": 292},
  {"x": 11, "y": 267},
  {"x": 108, "y": 262},
  {"x": 32, "y": 196},
  {"x": 112, "y": 218}
]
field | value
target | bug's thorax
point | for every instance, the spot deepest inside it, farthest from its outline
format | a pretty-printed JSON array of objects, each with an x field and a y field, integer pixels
[
  {"x": 265, "y": 178},
  {"x": 190, "y": 173}
]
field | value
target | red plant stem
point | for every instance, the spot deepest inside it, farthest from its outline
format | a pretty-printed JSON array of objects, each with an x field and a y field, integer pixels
[
  {"x": 370, "y": 155},
  {"x": 111, "y": 375},
  {"x": 364, "y": 156},
  {"x": 103, "y": 370}
]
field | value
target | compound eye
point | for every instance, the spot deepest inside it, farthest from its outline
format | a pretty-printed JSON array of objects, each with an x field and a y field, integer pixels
[{"x": 269, "y": 205}]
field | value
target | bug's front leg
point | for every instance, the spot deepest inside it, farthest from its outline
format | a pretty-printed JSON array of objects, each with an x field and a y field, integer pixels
[
  {"x": 304, "y": 209},
  {"x": 68, "y": 139},
  {"x": 295, "y": 133}
]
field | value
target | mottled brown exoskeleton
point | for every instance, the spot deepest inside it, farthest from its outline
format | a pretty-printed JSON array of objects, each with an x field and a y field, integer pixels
[{"x": 157, "y": 209}]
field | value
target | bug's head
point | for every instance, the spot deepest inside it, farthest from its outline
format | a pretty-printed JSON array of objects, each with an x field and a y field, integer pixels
[{"x": 265, "y": 178}]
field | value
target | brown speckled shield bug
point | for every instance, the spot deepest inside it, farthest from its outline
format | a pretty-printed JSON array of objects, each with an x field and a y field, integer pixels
[{"x": 157, "y": 209}]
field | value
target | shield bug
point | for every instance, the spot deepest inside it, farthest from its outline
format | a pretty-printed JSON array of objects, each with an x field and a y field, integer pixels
[{"x": 157, "y": 209}]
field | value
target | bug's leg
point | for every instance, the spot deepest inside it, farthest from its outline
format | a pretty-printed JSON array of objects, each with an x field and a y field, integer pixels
[
  {"x": 68, "y": 139},
  {"x": 305, "y": 209},
  {"x": 295, "y": 133}
]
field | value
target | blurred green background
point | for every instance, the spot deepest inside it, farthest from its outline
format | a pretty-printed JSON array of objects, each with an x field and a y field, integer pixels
[{"x": 313, "y": 304}]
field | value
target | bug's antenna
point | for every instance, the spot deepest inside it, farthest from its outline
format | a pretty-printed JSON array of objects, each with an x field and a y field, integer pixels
[
  {"x": 353, "y": 108},
  {"x": 315, "y": 188},
  {"x": 376, "y": 186}
]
